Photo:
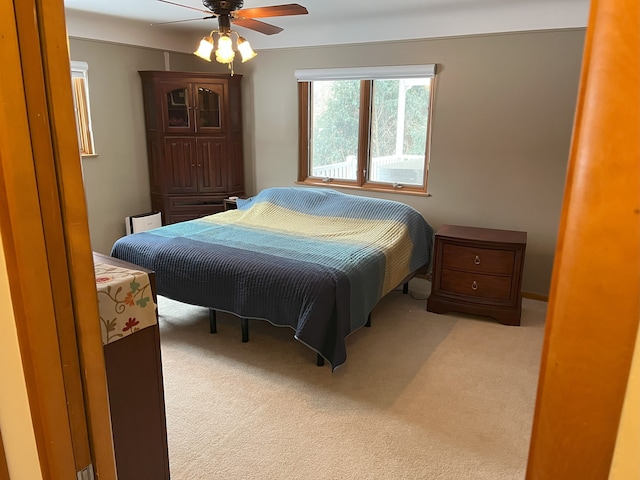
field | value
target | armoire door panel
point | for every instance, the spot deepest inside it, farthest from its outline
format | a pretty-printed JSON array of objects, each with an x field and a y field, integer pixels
[
  {"x": 212, "y": 166},
  {"x": 177, "y": 106},
  {"x": 180, "y": 160},
  {"x": 210, "y": 107}
]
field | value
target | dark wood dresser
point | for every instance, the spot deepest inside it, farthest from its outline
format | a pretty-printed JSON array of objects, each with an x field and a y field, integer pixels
[
  {"x": 478, "y": 271},
  {"x": 136, "y": 396}
]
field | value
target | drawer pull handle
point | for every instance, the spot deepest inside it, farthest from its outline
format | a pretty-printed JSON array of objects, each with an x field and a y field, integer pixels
[
  {"x": 474, "y": 285},
  {"x": 477, "y": 260}
]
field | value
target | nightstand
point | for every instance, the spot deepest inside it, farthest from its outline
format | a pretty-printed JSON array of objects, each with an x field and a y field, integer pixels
[{"x": 478, "y": 271}]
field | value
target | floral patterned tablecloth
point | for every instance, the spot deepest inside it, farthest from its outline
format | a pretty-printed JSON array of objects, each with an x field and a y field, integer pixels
[{"x": 125, "y": 301}]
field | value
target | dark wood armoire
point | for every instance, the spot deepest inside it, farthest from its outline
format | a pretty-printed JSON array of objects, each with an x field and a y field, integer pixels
[{"x": 194, "y": 142}]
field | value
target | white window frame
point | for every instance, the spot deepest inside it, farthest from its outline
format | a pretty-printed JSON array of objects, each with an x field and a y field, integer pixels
[
  {"x": 306, "y": 77},
  {"x": 82, "y": 108}
]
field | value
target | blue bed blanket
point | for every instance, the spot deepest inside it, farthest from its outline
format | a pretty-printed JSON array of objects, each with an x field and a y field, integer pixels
[{"x": 315, "y": 260}]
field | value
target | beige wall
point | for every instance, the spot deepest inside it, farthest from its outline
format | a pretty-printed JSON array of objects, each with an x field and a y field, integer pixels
[
  {"x": 117, "y": 179},
  {"x": 502, "y": 125},
  {"x": 503, "y": 119}
]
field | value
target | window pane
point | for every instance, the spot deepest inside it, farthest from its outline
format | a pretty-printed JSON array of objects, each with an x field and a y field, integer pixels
[
  {"x": 80, "y": 89},
  {"x": 399, "y": 130},
  {"x": 334, "y": 126}
]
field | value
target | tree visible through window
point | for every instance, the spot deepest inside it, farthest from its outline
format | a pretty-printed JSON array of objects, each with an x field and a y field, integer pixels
[
  {"x": 80, "y": 85},
  {"x": 335, "y": 112},
  {"x": 366, "y": 133}
]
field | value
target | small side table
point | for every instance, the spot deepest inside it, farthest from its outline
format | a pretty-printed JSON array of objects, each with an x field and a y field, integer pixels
[
  {"x": 229, "y": 204},
  {"x": 478, "y": 271}
]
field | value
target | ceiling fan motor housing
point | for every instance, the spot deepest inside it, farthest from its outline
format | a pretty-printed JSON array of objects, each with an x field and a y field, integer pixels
[{"x": 222, "y": 7}]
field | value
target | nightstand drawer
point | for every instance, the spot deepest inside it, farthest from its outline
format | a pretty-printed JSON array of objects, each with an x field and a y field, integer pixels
[
  {"x": 476, "y": 285},
  {"x": 476, "y": 259}
]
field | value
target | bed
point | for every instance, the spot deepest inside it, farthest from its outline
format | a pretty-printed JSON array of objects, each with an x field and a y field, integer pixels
[{"x": 313, "y": 259}]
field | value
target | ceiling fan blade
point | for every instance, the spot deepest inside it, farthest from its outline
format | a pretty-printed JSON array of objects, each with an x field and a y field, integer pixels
[
  {"x": 274, "y": 11},
  {"x": 256, "y": 25},
  {"x": 181, "y": 21},
  {"x": 186, "y": 6}
]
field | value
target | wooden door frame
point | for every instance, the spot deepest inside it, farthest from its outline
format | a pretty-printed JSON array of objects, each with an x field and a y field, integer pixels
[
  {"x": 586, "y": 356},
  {"x": 43, "y": 221},
  {"x": 593, "y": 313}
]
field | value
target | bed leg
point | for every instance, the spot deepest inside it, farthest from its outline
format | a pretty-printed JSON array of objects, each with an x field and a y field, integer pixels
[
  {"x": 213, "y": 328},
  {"x": 245, "y": 329},
  {"x": 319, "y": 360},
  {"x": 405, "y": 288},
  {"x": 368, "y": 324}
]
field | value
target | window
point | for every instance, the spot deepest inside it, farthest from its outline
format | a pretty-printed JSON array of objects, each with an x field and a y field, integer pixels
[
  {"x": 366, "y": 128},
  {"x": 80, "y": 85}
]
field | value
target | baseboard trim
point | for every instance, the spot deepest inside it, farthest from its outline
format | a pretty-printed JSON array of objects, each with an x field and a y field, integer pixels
[{"x": 536, "y": 296}]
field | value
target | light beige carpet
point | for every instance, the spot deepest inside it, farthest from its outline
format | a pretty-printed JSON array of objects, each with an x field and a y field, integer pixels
[{"x": 421, "y": 396}]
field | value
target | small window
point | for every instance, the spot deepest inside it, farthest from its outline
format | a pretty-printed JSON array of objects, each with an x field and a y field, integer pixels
[
  {"x": 80, "y": 85},
  {"x": 366, "y": 128}
]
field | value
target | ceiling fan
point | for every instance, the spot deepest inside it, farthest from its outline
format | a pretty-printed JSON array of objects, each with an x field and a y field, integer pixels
[{"x": 231, "y": 11}]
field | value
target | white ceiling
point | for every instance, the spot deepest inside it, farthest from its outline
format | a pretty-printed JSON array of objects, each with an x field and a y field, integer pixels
[{"x": 329, "y": 22}]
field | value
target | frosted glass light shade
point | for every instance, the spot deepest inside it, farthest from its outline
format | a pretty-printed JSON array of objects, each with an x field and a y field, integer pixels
[
  {"x": 205, "y": 48},
  {"x": 246, "y": 52},
  {"x": 225, "y": 53}
]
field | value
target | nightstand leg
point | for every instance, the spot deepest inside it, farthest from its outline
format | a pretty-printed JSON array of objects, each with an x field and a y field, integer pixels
[
  {"x": 405, "y": 288},
  {"x": 319, "y": 360}
]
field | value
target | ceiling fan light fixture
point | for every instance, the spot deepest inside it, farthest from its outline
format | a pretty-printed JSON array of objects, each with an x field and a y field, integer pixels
[
  {"x": 205, "y": 48},
  {"x": 231, "y": 11},
  {"x": 224, "y": 52},
  {"x": 244, "y": 47}
]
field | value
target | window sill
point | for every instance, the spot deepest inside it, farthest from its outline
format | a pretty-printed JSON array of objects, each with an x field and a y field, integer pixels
[{"x": 365, "y": 188}]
